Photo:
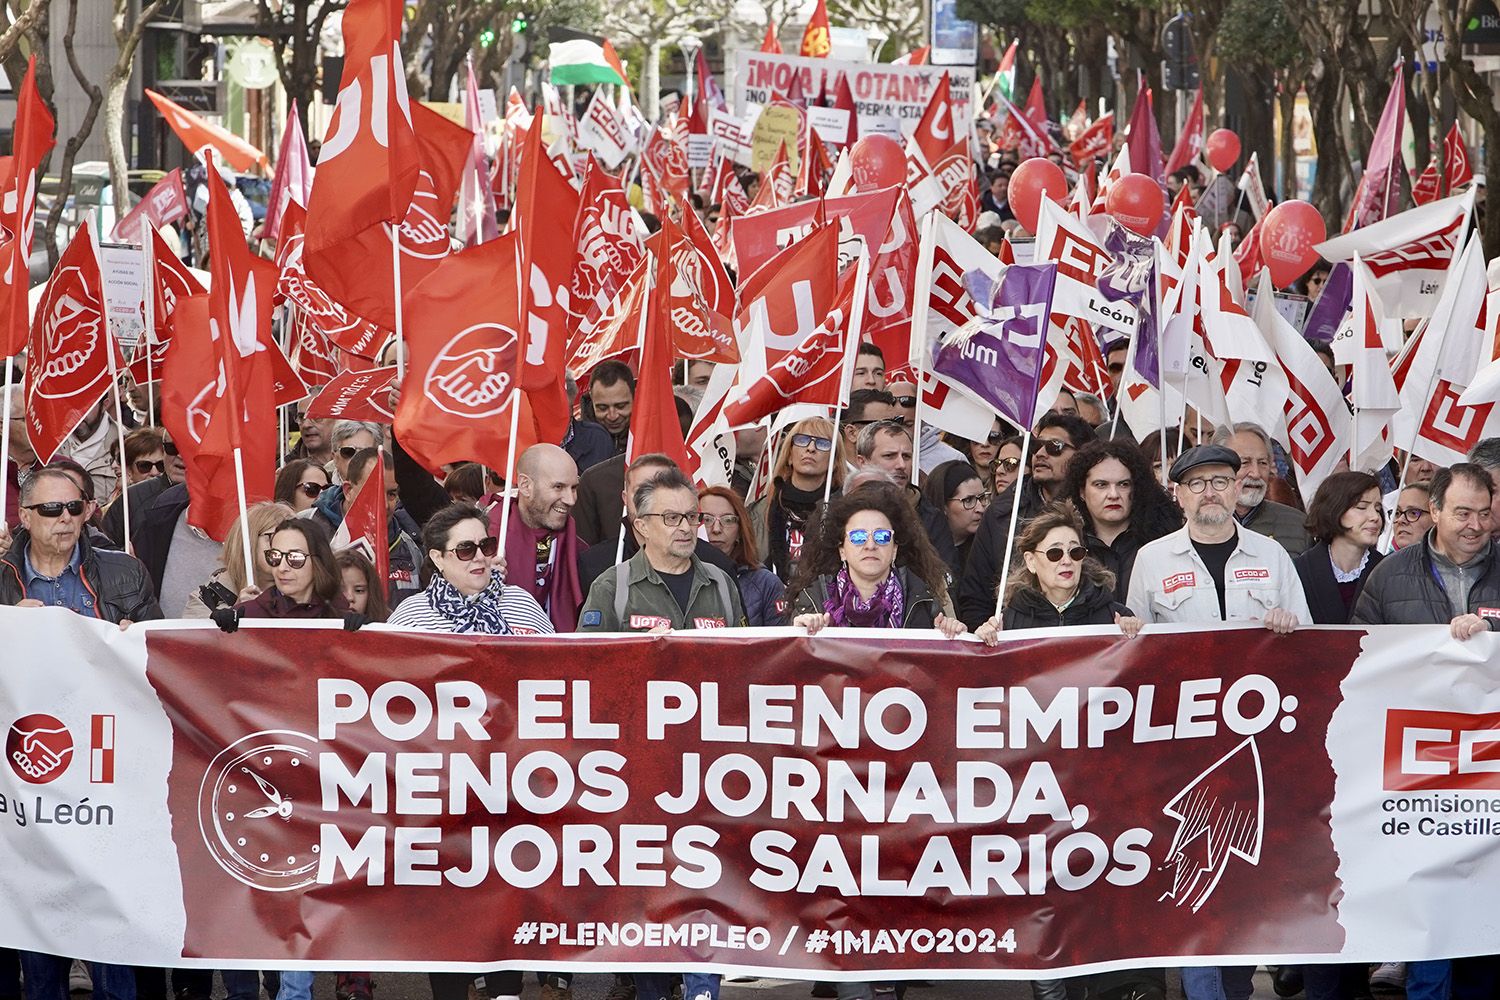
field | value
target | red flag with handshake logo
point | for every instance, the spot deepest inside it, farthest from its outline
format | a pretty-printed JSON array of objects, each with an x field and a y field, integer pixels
[
  {"x": 164, "y": 204},
  {"x": 33, "y": 140},
  {"x": 464, "y": 361},
  {"x": 67, "y": 369}
]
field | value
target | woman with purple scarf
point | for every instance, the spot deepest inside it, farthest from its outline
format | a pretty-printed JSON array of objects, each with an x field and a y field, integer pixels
[{"x": 869, "y": 565}]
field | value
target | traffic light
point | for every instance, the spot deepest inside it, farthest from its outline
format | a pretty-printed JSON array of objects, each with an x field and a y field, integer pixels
[
  {"x": 519, "y": 24},
  {"x": 487, "y": 37}
]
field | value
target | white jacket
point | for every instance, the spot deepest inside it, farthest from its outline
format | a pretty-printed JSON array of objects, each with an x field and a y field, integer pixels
[{"x": 1170, "y": 582}]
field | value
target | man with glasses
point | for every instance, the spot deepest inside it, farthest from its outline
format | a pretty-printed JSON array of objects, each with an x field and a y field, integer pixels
[
  {"x": 51, "y": 563},
  {"x": 1213, "y": 569},
  {"x": 665, "y": 586}
]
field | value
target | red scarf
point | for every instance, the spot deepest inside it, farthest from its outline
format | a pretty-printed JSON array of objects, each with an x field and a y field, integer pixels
[{"x": 562, "y": 596}]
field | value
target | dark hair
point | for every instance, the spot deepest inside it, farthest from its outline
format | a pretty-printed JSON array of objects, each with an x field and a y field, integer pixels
[
  {"x": 1153, "y": 512},
  {"x": 612, "y": 373},
  {"x": 315, "y": 535},
  {"x": 667, "y": 479},
  {"x": 942, "y": 483},
  {"x": 1335, "y": 496},
  {"x": 1475, "y": 475},
  {"x": 1485, "y": 453},
  {"x": 437, "y": 529},
  {"x": 290, "y": 475},
  {"x": 360, "y": 463},
  {"x": 865, "y": 347},
  {"x": 745, "y": 551},
  {"x": 377, "y": 608},
  {"x": 1079, "y": 430},
  {"x": 1322, "y": 348},
  {"x": 142, "y": 441},
  {"x": 820, "y": 553},
  {"x": 1054, "y": 515},
  {"x": 33, "y": 479},
  {"x": 1176, "y": 441},
  {"x": 859, "y": 399},
  {"x": 467, "y": 479}
]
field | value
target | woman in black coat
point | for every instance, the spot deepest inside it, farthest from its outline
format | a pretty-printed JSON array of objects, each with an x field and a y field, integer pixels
[
  {"x": 1057, "y": 584},
  {"x": 1345, "y": 519}
]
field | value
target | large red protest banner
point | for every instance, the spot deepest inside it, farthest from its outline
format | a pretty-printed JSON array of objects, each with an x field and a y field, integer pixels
[{"x": 838, "y": 807}]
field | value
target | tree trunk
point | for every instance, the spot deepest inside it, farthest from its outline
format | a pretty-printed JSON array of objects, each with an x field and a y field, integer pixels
[
  {"x": 114, "y": 132},
  {"x": 651, "y": 78},
  {"x": 1287, "y": 101},
  {"x": 1325, "y": 93}
]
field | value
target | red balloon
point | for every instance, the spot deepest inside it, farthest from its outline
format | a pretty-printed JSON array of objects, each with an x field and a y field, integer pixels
[
  {"x": 1287, "y": 237},
  {"x": 1033, "y": 180},
  {"x": 1136, "y": 201},
  {"x": 877, "y": 161},
  {"x": 1222, "y": 149}
]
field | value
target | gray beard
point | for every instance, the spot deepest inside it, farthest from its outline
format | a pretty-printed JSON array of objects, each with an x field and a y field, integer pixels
[{"x": 1211, "y": 517}]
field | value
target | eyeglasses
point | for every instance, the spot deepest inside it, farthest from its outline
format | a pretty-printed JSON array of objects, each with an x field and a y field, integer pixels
[
  {"x": 1219, "y": 483},
  {"x": 170, "y": 448},
  {"x": 55, "y": 508},
  {"x": 907, "y": 402},
  {"x": 1116, "y": 367},
  {"x": 347, "y": 452},
  {"x": 295, "y": 558},
  {"x": 465, "y": 551},
  {"x": 969, "y": 503},
  {"x": 995, "y": 437},
  {"x": 882, "y": 536},
  {"x": 311, "y": 490},
  {"x": 1008, "y": 464},
  {"x": 812, "y": 441},
  {"x": 1073, "y": 552},
  {"x": 1409, "y": 515},
  {"x": 674, "y": 518},
  {"x": 1054, "y": 446},
  {"x": 722, "y": 520},
  {"x": 145, "y": 468}
]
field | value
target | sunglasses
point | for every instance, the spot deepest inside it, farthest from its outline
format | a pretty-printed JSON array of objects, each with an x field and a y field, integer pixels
[
  {"x": 465, "y": 551},
  {"x": 55, "y": 508},
  {"x": 995, "y": 437},
  {"x": 812, "y": 441},
  {"x": 1053, "y": 446},
  {"x": 145, "y": 468},
  {"x": 171, "y": 449},
  {"x": 295, "y": 558},
  {"x": 907, "y": 402},
  {"x": 882, "y": 536},
  {"x": 979, "y": 499},
  {"x": 1008, "y": 464},
  {"x": 1073, "y": 552},
  {"x": 347, "y": 452},
  {"x": 311, "y": 490},
  {"x": 1116, "y": 367}
]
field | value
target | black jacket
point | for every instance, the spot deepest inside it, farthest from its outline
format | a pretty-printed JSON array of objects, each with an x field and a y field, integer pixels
[
  {"x": 974, "y": 596},
  {"x": 920, "y": 609},
  {"x": 121, "y": 588},
  {"x": 1404, "y": 590},
  {"x": 1030, "y": 609},
  {"x": 1118, "y": 557},
  {"x": 153, "y": 537},
  {"x": 1315, "y": 569},
  {"x": 142, "y": 496},
  {"x": 600, "y": 503}
]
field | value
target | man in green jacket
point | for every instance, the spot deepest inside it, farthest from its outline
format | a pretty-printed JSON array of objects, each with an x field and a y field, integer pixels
[{"x": 664, "y": 586}]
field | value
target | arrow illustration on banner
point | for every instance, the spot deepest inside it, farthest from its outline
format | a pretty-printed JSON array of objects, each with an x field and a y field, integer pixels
[{"x": 1220, "y": 814}]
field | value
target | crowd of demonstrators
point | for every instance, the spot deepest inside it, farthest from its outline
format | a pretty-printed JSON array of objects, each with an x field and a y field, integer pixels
[{"x": 914, "y": 534}]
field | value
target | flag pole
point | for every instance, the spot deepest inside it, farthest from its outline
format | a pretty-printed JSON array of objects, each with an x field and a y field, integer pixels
[
  {"x": 148, "y": 302},
  {"x": 239, "y": 489},
  {"x": 1010, "y": 535},
  {"x": 395, "y": 230},
  {"x": 640, "y": 352},
  {"x": 510, "y": 460},
  {"x": 5, "y": 446}
]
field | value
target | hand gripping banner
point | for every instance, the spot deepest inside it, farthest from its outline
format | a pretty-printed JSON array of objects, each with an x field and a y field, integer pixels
[{"x": 850, "y": 806}]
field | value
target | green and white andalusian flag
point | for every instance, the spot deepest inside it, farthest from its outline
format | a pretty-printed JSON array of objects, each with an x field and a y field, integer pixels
[
  {"x": 1006, "y": 76},
  {"x": 579, "y": 60}
]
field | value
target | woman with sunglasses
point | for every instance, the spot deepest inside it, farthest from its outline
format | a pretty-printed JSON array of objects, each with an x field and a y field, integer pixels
[
  {"x": 230, "y": 575},
  {"x": 299, "y": 483},
  {"x": 870, "y": 565},
  {"x": 780, "y": 518},
  {"x": 956, "y": 489},
  {"x": 1345, "y": 521},
  {"x": 725, "y": 522},
  {"x": 144, "y": 455},
  {"x": 1057, "y": 584},
  {"x": 304, "y": 580},
  {"x": 464, "y": 582},
  {"x": 1007, "y": 466}
]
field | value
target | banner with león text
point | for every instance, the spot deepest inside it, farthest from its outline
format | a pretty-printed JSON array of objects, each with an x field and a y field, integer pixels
[{"x": 853, "y": 805}]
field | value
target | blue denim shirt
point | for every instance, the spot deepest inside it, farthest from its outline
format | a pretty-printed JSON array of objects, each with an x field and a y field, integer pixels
[{"x": 65, "y": 590}]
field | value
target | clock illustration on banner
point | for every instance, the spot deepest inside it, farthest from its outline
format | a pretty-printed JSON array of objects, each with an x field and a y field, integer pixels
[{"x": 256, "y": 806}]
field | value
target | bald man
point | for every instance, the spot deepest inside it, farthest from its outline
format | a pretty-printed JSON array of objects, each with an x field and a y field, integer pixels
[{"x": 541, "y": 543}]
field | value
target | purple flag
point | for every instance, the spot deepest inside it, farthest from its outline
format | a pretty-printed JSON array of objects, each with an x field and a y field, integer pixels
[
  {"x": 1125, "y": 275},
  {"x": 998, "y": 354},
  {"x": 1144, "y": 140},
  {"x": 1332, "y": 304},
  {"x": 1148, "y": 330}
]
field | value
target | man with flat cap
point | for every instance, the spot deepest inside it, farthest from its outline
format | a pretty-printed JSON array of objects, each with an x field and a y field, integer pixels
[{"x": 1214, "y": 569}]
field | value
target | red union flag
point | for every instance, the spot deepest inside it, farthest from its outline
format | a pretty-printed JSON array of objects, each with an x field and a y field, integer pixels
[
  {"x": 465, "y": 356},
  {"x": 164, "y": 204},
  {"x": 67, "y": 362},
  {"x": 700, "y": 296},
  {"x": 368, "y": 165},
  {"x": 366, "y": 524},
  {"x": 32, "y": 141},
  {"x": 608, "y": 250},
  {"x": 201, "y": 136},
  {"x": 1095, "y": 141},
  {"x": 335, "y": 323},
  {"x": 361, "y": 394},
  {"x": 934, "y": 135}
]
